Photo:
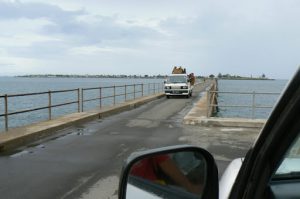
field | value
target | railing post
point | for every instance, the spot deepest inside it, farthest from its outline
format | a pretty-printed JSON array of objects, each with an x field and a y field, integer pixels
[
  {"x": 114, "y": 94},
  {"x": 49, "y": 105},
  {"x": 82, "y": 99},
  {"x": 207, "y": 103},
  {"x": 133, "y": 91},
  {"x": 149, "y": 89},
  {"x": 78, "y": 97},
  {"x": 253, "y": 105},
  {"x": 142, "y": 90},
  {"x": 100, "y": 97},
  {"x": 125, "y": 92},
  {"x": 6, "y": 112},
  {"x": 154, "y": 88}
]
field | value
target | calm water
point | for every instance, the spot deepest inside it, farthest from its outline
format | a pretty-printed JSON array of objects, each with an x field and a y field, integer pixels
[
  {"x": 13, "y": 85},
  {"x": 258, "y": 86}
]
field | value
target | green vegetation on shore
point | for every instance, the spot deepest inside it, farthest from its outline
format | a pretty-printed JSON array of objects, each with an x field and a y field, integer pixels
[
  {"x": 93, "y": 76},
  {"x": 237, "y": 77},
  {"x": 219, "y": 76}
]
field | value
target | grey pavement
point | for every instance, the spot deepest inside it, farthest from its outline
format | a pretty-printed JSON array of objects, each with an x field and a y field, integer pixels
[{"x": 84, "y": 161}]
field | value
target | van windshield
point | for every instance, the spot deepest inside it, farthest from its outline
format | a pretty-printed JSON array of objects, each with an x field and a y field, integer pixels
[{"x": 177, "y": 79}]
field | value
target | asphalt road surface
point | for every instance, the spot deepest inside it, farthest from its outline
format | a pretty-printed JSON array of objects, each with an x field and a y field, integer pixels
[{"x": 85, "y": 161}]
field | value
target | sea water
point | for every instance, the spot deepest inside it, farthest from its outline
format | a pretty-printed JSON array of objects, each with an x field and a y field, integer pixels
[
  {"x": 20, "y": 85},
  {"x": 260, "y": 100}
]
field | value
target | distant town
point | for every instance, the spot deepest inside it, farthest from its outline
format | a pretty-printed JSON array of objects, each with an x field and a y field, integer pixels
[
  {"x": 237, "y": 77},
  {"x": 219, "y": 76},
  {"x": 94, "y": 76}
]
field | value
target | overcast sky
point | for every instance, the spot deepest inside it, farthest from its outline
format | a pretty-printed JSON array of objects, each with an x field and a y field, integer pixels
[{"x": 150, "y": 37}]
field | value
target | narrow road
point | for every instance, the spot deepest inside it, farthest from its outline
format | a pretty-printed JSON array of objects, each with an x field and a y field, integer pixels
[{"x": 84, "y": 161}]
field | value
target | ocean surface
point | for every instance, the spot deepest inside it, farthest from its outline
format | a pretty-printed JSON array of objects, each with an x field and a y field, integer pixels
[
  {"x": 257, "y": 86},
  {"x": 19, "y": 85}
]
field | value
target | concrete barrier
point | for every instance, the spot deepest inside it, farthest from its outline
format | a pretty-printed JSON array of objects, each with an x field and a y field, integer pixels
[
  {"x": 201, "y": 114},
  {"x": 17, "y": 137},
  {"x": 225, "y": 122}
]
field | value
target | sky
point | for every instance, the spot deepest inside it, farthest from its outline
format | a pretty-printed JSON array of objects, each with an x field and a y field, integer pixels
[{"x": 150, "y": 37}]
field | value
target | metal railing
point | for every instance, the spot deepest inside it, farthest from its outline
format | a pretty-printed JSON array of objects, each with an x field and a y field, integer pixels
[
  {"x": 125, "y": 91},
  {"x": 49, "y": 106},
  {"x": 211, "y": 97},
  {"x": 213, "y": 94},
  {"x": 129, "y": 92}
]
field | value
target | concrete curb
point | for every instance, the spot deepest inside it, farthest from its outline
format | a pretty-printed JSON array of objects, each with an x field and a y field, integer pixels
[
  {"x": 198, "y": 116},
  {"x": 17, "y": 137},
  {"x": 225, "y": 122}
]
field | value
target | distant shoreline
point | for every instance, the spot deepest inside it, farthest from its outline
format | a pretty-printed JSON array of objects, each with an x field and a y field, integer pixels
[
  {"x": 133, "y": 77},
  {"x": 94, "y": 76}
]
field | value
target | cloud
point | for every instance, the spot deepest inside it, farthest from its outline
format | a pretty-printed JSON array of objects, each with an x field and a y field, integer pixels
[
  {"x": 94, "y": 50},
  {"x": 101, "y": 30},
  {"x": 206, "y": 36},
  {"x": 53, "y": 32},
  {"x": 245, "y": 41},
  {"x": 13, "y": 65},
  {"x": 17, "y": 9},
  {"x": 73, "y": 23}
]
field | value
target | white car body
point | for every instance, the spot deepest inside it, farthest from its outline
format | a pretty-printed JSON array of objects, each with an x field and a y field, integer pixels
[
  {"x": 135, "y": 192},
  {"x": 228, "y": 178},
  {"x": 178, "y": 84}
]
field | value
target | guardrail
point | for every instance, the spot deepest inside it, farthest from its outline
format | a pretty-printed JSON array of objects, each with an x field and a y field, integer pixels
[
  {"x": 49, "y": 106},
  {"x": 125, "y": 90},
  {"x": 211, "y": 98},
  {"x": 213, "y": 95},
  {"x": 129, "y": 92}
]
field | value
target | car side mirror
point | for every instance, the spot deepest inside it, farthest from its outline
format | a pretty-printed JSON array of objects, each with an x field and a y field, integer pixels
[{"x": 170, "y": 173}]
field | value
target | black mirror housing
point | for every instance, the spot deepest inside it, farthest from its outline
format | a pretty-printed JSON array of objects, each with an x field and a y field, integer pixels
[{"x": 211, "y": 189}]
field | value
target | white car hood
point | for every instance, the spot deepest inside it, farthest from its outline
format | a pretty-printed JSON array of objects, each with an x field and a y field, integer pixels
[
  {"x": 176, "y": 84},
  {"x": 228, "y": 178},
  {"x": 135, "y": 192}
]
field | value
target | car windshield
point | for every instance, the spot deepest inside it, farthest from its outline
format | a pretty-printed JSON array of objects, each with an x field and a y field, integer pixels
[
  {"x": 177, "y": 79},
  {"x": 290, "y": 166}
]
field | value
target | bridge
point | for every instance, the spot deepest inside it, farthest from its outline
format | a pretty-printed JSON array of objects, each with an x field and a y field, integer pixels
[{"x": 84, "y": 158}]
